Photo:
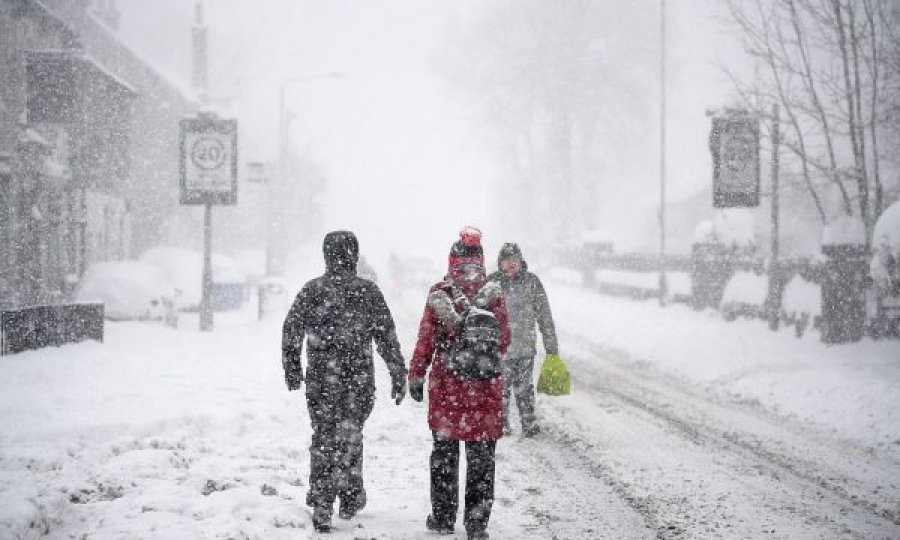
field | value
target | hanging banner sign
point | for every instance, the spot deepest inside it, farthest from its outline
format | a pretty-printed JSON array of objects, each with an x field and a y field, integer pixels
[
  {"x": 209, "y": 160},
  {"x": 734, "y": 144}
]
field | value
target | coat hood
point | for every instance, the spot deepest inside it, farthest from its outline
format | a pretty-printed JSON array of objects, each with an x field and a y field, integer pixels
[
  {"x": 341, "y": 250},
  {"x": 511, "y": 250}
]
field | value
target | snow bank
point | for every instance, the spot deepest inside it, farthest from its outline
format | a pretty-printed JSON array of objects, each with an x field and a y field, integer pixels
[
  {"x": 128, "y": 289},
  {"x": 801, "y": 296},
  {"x": 745, "y": 288}
]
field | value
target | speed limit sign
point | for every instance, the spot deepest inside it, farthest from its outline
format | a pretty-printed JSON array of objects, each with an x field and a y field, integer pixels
[{"x": 208, "y": 160}]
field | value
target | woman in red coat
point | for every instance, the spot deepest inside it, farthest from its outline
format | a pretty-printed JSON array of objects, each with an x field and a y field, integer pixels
[{"x": 460, "y": 409}]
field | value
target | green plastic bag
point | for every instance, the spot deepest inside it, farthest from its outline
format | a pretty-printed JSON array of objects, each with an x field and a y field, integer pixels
[{"x": 554, "y": 379}]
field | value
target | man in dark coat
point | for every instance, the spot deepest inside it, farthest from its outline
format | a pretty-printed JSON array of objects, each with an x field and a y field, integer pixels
[
  {"x": 526, "y": 301},
  {"x": 340, "y": 315},
  {"x": 459, "y": 409}
]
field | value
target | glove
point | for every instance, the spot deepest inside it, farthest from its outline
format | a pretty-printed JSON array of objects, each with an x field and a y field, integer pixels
[
  {"x": 293, "y": 373},
  {"x": 398, "y": 389},
  {"x": 294, "y": 380},
  {"x": 417, "y": 389},
  {"x": 461, "y": 302}
]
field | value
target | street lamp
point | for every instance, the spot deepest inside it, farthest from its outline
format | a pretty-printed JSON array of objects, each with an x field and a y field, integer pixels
[
  {"x": 663, "y": 285},
  {"x": 283, "y": 152}
]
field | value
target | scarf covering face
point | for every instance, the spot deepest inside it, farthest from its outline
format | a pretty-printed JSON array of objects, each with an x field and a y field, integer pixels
[{"x": 468, "y": 277}]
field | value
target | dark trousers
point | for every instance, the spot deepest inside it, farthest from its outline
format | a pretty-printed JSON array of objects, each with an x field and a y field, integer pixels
[
  {"x": 517, "y": 381},
  {"x": 479, "y": 482},
  {"x": 336, "y": 452}
]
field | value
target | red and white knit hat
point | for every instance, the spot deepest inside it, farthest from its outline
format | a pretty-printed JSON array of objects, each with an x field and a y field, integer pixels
[{"x": 468, "y": 249}]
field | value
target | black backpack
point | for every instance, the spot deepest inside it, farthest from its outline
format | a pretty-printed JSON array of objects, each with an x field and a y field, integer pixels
[{"x": 475, "y": 354}]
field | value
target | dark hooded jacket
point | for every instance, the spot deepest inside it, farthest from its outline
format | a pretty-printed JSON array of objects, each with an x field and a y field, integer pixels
[
  {"x": 340, "y": 315},
  {"x": 527, "y": 304}
]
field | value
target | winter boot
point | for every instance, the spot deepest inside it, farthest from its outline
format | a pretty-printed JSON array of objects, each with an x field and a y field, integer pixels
[
  {"x": 440, "y": 527},
  {"x": 350, "y": 506},
  {"x": 477, "y": 535},
  {"x": 530, "y": 430},
  {"x": 322, "y": 519}
]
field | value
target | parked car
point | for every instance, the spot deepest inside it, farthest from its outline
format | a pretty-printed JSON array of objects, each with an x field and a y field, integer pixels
[
  {"x": 184, "y": 268},
  {"x": 129, "y": 290}
]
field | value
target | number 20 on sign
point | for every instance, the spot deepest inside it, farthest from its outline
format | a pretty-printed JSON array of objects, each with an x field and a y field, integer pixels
[{"x": 208, "y": 160}]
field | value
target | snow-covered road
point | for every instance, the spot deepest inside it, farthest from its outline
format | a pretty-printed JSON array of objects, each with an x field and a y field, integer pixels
[
  {"x": 177, "y": 434},
  {"x": 696, "y": 466}
]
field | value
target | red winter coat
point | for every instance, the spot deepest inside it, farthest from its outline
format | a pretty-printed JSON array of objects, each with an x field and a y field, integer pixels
[{"x": 462, "y": 409}]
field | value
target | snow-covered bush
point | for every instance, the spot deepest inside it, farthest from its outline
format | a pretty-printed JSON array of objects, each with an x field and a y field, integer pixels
[
  {"x": 745, "y": 294},
  {"x": 885, "y": 265},
  {"x": 733, "y": 228},
  {"x": 801, "y": 303},
  {"x": 128, "y": 290}
]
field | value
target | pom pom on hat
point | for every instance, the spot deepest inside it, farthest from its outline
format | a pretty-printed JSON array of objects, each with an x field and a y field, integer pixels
[
  {"x": 467, "y": 249},
  {"x": 470, "y": 236}
]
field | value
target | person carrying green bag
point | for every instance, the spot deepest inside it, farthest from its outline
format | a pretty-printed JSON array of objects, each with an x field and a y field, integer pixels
[
  {"x": 529, "y": 309},
  {"x": 554, "y": 379}
]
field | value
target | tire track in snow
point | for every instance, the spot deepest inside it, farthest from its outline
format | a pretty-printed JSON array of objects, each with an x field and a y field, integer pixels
[
  {"x": 563, "y": 492},
  {"x": 691, "y": 418}
]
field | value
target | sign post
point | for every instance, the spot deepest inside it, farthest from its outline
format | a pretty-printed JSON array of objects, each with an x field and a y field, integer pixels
[
  {"x": 734, "y": 144},
  {"x": 208, "y": 147}
]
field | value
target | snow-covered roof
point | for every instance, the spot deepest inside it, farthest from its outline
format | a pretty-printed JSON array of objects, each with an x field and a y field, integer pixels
[
  {"x": 87, "y": 60},
  {"x": 52, "y": 15},
  {"x": 171, "y": 79}
]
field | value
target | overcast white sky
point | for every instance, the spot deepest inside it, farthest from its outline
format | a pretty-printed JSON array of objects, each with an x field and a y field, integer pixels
[{"x": 399, "y": 145}]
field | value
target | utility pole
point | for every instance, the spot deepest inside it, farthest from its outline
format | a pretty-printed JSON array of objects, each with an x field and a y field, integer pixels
[
  {"x": 200, "y": 81},
  {"x": 663, "y": 285},
  {"x": 774, "y": 271}
]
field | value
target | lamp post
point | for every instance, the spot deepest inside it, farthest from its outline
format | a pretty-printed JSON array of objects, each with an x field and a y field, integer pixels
[
  {"x": 663, "y": 285},
  {"x": 281, "y": 175}
]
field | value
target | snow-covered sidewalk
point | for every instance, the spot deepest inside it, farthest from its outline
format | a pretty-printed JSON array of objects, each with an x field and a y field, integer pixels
[{"x": 158, "y": 433}]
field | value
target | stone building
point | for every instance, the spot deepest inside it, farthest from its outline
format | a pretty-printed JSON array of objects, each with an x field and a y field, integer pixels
[{"x": 88, "y": 147}]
